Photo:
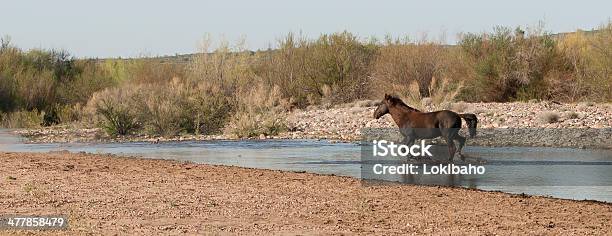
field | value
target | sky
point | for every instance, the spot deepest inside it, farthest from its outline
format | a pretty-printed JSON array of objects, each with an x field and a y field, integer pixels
[{"x": 133, "y": 28}]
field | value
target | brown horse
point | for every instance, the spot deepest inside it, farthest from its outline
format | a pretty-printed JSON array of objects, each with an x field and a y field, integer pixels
[{"x": 414, "y": 124}]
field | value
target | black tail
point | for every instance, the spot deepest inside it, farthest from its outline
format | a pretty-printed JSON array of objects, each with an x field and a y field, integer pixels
[{"x": 471, "y": 121}]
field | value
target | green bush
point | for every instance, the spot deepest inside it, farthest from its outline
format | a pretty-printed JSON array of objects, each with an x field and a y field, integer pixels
[
  {"x": 583, "y": 71},
  {"x": 180, "y": 107},
  {"x": 118, "y": 118},
  {"x": 509, "y": 65},
  {"x": 113, "y": 110},
  {"x": 304, "y": 68},
  {"x": 161, "y": 109},
  {"x": 44, "y": 80},
  {"x": 208, "y": 112}
]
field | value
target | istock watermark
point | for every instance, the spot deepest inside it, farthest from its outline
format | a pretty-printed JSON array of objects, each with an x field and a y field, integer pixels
[
  {"x": 440, "y": 169},
  {"x": 384, "y": 148},
  {"x": 495, "y": 157}
]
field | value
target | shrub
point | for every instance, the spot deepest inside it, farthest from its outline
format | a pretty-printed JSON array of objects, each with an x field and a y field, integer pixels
[
  {"x": 548, "y": 117},
  {"x": 572, "y": 115},
  {"x": 92, "y": 77},
  {"x": 166, "y": 96},
  {"x": 211, "y": 110},
  {"x": 68, "y": 113},
  {"x": 459, "y": 107},
  {"x": 152, "y": 71},
  {"x": 116, "y": 111},
  {"x": 246, "y": 125},
  {"x": 583, "y": 71},
  {"x": 44, "y": 80},
  {"x": 29, "y": 79},
  {"x": 258, "y": 112},
  {"x": 418, "y": 71},
  {"x": 180, "y": 107},
  {"x": 22, "y": 119},
  {"x": 332, "y": 69},
  {"x": 119, "y": 121},
  {"x": 161, "y": 108},
  {"x": 400, "y": 63},
  {"x": 509, "y": 65}
]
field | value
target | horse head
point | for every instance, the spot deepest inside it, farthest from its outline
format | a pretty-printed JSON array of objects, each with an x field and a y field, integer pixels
[
  {"x": 382, "y": 108},
  {"x": 391, "y": 101}
]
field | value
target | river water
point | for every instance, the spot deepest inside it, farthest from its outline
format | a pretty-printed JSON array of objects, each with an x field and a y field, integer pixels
[{"x": 558, "y": 172}]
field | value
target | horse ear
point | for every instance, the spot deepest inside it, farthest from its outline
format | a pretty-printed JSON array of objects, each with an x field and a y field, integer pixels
[{"x": 386, "y": 96}]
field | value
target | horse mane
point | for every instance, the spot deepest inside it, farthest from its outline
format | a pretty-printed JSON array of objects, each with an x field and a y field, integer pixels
[{"x": 398, "y": 101}]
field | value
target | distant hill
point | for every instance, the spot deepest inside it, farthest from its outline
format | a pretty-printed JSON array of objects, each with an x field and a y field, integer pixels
[
  {"x": 564, "y": 34},
  {"x": 186, "y": 58}
]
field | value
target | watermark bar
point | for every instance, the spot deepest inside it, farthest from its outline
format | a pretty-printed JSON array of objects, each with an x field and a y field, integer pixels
[
  {"x": 33, "y": 222},
  {"x": 388, "y": 157}
]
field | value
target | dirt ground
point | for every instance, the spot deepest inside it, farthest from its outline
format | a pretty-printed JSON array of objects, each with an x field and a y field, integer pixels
[{"x": 104, "y": 194}]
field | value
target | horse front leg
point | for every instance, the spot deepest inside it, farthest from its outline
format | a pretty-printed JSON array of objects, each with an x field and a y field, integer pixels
[
  {"x": 409, "y": 141},
  {"x": 451, "y": 149}
]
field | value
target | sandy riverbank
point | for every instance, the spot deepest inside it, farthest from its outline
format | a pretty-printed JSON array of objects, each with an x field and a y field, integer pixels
[{"x": 117, "y": 195}]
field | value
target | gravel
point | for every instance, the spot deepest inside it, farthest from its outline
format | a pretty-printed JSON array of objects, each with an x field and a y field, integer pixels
[{"x": 581, "y": 125}]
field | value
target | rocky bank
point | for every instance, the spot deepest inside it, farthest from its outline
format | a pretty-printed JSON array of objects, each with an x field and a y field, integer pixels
[{"x": 582, "y": 125}]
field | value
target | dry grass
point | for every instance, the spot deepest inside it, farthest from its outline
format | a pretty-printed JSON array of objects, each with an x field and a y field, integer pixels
[
  {"x": 404, "y": 62},
  {"x": 549, "y": 117},
  {"x": 332, "y": 69},
  {"x": 442, "y": 94},
  {"x": 572, "y": 115},
  {"x": 359, "y": 103},
  {"x": 460, "y": 107},
  {"x": 21, "y": 119},
  {"x": 258, "y": 113}
]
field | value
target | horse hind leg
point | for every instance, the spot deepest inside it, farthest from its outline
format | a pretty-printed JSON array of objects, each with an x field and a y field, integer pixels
[
  {"x": 461, "y": 141},
  {"x": 451, "y": 135}
]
